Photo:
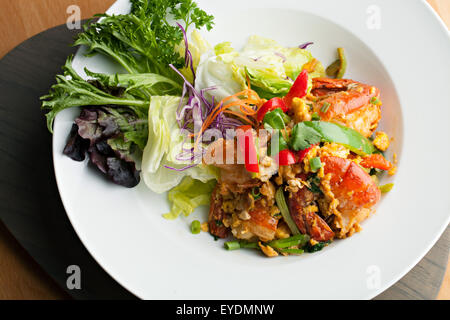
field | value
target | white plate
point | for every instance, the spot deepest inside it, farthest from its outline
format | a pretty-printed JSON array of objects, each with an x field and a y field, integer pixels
[{"x": 407, "y": 58}]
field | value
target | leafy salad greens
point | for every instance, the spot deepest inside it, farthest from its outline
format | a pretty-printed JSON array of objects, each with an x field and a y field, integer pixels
[{"x": 137, "y": 120}]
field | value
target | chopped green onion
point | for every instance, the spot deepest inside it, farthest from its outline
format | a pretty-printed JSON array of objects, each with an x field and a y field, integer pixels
[
  {"x": 235, "y": 245},
  {"x": 292, "y": 251},
  {"x": 195, "y": 227},
  {"x": 281, "y": 203},
  {"x": 232, "y": 245},
  {"x": 315, "y": 164},
  {"x": 248, "y": 245},
  {"x": 315, "y": 116},
  {"x": 375, "y": 101},
  {"x": 256, "y": 195},
  {"x": 297, "y": 240},
  {"x": 325, "y": 107},
  {"x": 386, "y": 188}
]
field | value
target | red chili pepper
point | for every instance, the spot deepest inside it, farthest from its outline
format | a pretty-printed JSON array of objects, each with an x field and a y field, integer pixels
[
  {"x": 302, "y": 154},
  {"x": 376, "y": 161},
  {"x": 286, "y": 157},
  {"x": 271, "y": 105},
  {"x": 247, "y": 147},
  {"x": 298, "y": 89}
]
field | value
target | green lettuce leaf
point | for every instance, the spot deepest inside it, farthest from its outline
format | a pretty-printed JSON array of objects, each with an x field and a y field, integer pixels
[
  {"x": 270, "y": 67},
  {"x": 165, "y": 141},
  {"x": 189, "y": 195}
]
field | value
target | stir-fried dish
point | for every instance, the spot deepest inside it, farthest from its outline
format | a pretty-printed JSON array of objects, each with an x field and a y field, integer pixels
[
  {"x": 286, "y": 154},
  {"x": 322, "y": 183}
]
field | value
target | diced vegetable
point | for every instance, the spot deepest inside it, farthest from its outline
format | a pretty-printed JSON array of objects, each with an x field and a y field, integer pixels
[
  {"x": 325, "y": 107},
  {"x": 298, "y": 89},
  {"x": 286, "y": 157},
  {"x": 195, "y": 227},
  {"x": 235, "y": 245},
  {"x": 232, "y": 245},
  {"x": 375, "y": 101},
  {"x": 282, "y": 205},
  {"x": 386, "y": 188},
  {"x": 337, "y": 68},
  {"x": 297, "y": 240},
  {"x": 270, "y": 105},
  {"x": 315, "y": 164}
]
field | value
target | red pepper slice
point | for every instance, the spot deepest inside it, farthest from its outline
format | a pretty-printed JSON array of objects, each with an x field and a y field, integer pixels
[
  {"x": 271, "y": 105},
  {"x": 286, "y": 157},
  {"x": 301, "y": 154},
  {"x": 376, "y": 161},
  {"x": 298, "y": 89},
  {"x": 247, "y": 146}
]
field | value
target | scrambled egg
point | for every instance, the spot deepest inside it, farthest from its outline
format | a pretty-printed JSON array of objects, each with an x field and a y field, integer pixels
[
  {"x": 381, "y": 141},
  {"x": 267, "y": 250},
  {"x": 301, "y": 110},
  {"x": 204, "y": 226}
]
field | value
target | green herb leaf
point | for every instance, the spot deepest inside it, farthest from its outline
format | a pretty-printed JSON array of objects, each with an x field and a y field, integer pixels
[
  {"x": 303, "y": 136},
  {"x": 144, "y": 41},
  {"x": 307, "y": 133},
  {"x": 315, "y": 164},
  {"x": 276, "y": 119}
]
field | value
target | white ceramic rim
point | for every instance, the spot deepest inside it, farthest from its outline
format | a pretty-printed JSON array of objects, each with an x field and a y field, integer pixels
[{"x": 425, "y": 247}]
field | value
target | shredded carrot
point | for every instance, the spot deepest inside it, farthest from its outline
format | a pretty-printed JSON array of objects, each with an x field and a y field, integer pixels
[{"x": 248, "y": 106}]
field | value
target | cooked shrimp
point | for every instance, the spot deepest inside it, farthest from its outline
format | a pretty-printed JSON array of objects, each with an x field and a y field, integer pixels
[
  {"x": 347, "y": 102},
  {"x": 304, "y": 213},
  {"x": 216, "y": 216},
  {"x": 233, "y": 176},
  {"x": 261, "y": 225},
  {"x": 355, "y": 190}
]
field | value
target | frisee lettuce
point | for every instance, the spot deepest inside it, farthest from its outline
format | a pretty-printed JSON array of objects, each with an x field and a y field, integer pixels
[
  {"x": 144, "y": 41},
  {"x": 71, "y": 90}
]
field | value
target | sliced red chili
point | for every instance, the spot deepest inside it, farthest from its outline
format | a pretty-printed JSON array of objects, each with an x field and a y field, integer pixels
[
  {"x": 301, "y": 154},
  {"x": 286, "y": 157},
  {"x": 298, "y": 89},
  {"x": 271, "y": 105},
  {"x": 247, "y": 146}
]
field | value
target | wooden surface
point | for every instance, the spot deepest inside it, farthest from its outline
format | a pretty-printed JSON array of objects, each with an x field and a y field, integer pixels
[
  {"x": 30, "y": 206},
  {"x": 20, "y": 276}
]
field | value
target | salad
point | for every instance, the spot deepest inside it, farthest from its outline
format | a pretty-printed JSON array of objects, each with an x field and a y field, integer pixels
[{"x": 285, "y": 153}]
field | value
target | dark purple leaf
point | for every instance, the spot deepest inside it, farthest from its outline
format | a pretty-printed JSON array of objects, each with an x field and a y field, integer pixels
[
  {"x": 122, "y": 172},
  {"x": 76, "y": 146}
]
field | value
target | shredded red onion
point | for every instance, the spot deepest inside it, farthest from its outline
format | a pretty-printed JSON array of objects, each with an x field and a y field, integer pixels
[
  {"x": 194, "y": 112},
  {"x": 281, "y": 56},
  {"x": 305, "y": 45}
]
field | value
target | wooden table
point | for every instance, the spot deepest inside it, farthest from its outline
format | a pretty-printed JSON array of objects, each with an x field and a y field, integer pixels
[{"x": 20, "y": 276}]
